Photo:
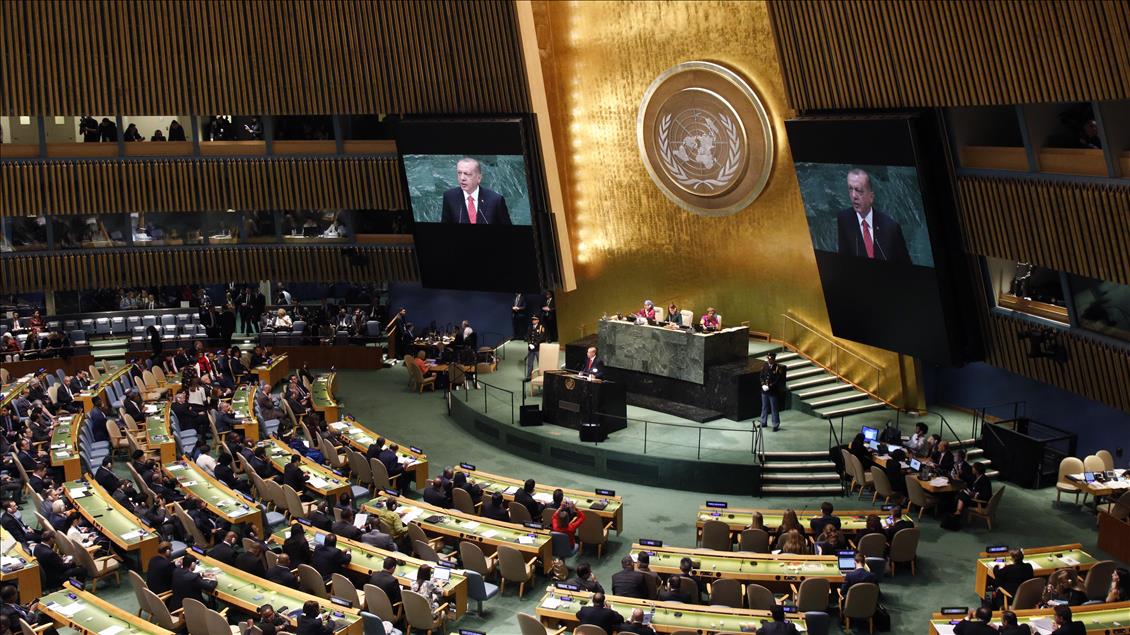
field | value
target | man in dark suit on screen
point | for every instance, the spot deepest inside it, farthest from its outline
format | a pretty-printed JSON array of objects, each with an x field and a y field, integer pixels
[
  {"x": 865, "y": 232},
  {"x": 469, "y": 203}
]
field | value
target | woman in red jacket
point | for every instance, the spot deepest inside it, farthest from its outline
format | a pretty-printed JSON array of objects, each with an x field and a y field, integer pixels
[{"x": 567, "y": 519}]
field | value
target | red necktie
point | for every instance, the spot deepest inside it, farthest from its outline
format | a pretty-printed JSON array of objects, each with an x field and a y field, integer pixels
[
  {"x": 471, "y": 213},
  {"x": 868, "y": 243}
]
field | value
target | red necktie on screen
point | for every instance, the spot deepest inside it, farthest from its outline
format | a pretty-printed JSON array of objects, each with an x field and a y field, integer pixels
[
  {"x": 868, "y": 243},
  {"x": 471, "y": 213}
]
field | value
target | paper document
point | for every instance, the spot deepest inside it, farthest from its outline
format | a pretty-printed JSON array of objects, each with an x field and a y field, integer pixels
[
  {"x": 70, "y": 609},
  {"x": 359, "y": 520},
  {"x": 543, "y": 497},
  {"x": 940, "y": 481},
  {"x": 317, "y": 482},
  {"x": 551, "y": 604},
  {"x": 130, "y": 535},
  {"x": 470, "y": 524},
  {"x": 944, "y": 629},
  {"x": 338, "y": 425},
  {"x": 526, "y": 540},
  {"x": 1069, "y": 561},
  {"x": 1043, "y": 626},
  {"x": 5, "y": 561},
  {"x": 113, "y": 630},
  {"x": 490, "y": 533}
]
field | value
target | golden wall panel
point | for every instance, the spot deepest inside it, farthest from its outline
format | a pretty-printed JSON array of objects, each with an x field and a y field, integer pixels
[
  {"x": 878, "y": 54},
  {"x": 630, "y": 242},
  {"x": 179, "y": 185},
  {"x": 1080, "y": 228},
  {"x": 115, "y": 268},
  {"x": 71, "y": 57}
]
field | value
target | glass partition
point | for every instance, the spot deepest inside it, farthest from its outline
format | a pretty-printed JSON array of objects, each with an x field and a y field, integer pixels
[
  {"x": 259, "y": 227},
  {"x": 22, "y": 233},
  {"x": 90, "y": 232},
  {"x": 152, "y": 229},
  {"x": 1102, "y": 306}
]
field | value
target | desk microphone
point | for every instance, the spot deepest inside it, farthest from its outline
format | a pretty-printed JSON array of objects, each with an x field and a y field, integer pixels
[{"x": 875, "y": 239}]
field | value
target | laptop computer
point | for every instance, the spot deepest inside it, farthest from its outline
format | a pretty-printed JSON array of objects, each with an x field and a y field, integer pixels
[
  {"x": 320, "y": 539},
  {"x": 915, "y": 464},
  {"x": 441, "y": 574},
  {"x": 845, "y": 560},
  {"x": 873, "y": 446},
  {"x": 1089, "y": 477},
  {"x": 870, "y": 434}
]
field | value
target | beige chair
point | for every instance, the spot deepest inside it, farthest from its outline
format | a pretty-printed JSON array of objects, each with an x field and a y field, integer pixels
[
  {"x": 195, "y": 617},
  {"x": 904, "y": 548},
  {"x": 161, "y": 615},
  {"x": 218, "y": 624},
  {"x": 1107, "y": 459},
  {"x": 344, "y": 589},
  {"x": 310, "y": 581},
  {"x": 812, "y": 595},
  {"x": 1028, "y": 595},
  {"x": 334, "y": 458},
  {"x": 872, "y": 545},
  {"x": 138, "y": 584},
  {"x": 548, "y": 360},
  {"x": 159, "y": 375},
  {"x": 519, "y": 513},
  {"x": 716, "y": 536},
  {"x": 688, "y": 317},
  {"x": 461, "y": 500},
  {"x": 294, "y": 504},
  {"x": 755, "y": 540},
  {"x": 859, "y": 478},
  {"x": 474, "y": 559},
  {"x": 416, "y": 533},
  {"x": 418, "y": 380},
  {"x": 860, "y": 603},
  {"x": 592, "y": 531},
  {"x": 1097, "y": 583},
  {"x": 759, "y": 598},
  {"x": 53, "y": 393},
  {"x": 727, "y": 592},
  {"x": 381, "y": 480},
  {"x": 589, "y": 629},
  {"x": 420, "y": 616},
  {"x": 425, "y": 551},
  {"x": 98, "y": 568},
  {"x": 117, "y": 440},
  {"x": 190, "y": 527},
  {"x": 512, "y": 566},
  {"x": 918, "y": 496},
  {"x": 377, "y": 603},
  {"x": 1093, "y": 463},
  {"x": 530, "y": 625},
  {"x": 1063, "y": 485},
  {"x": 987, "y": 511},
  {"x": 276, "y": 494},
  {"x": 882, "y": 484},
  {"x": 360, "y": 469}
]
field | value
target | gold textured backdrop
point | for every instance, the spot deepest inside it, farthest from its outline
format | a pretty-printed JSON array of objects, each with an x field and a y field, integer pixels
[{"x": 631, "y": 243}]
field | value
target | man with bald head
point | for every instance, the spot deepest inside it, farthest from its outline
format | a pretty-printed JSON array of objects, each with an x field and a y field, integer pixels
[
  {"x": 864, "y": 231},
  {"x": 636, "y": 625},
  {"x": 470, "y": 203}
]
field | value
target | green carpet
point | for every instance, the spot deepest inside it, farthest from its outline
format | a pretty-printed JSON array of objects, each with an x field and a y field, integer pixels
[{"x": 382, "y": 401}]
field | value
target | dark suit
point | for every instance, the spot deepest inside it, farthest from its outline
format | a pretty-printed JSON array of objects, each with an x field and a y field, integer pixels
[
  {"x": 251, "y": 563},
  {"x": 294, "y": 477},
  {"x": 778, "y": 628},
  {"x": 54, "y": 569},
  {"x": 188, "y": 584},
  {"x": 601, "y": 616},
  {"x": 897, "y": 527},
  {"x": 298, "y": 550},
  {"x": 1011, "y": 576},
  {"x": 391, "y": 462},
  {"x": 387, "y": 583},
  {"x": 223, "y": 552},
  {"x": 527, "y": 500},
  {"x": 281, "y": 575},
  {"x": 886, "y": 236},
  {"x": 490, "y": 207},
  {"x": 969, "y": 627},
  {"x": 629, "y": 583},
  {"x": 346, "y": 530},
  {"x": 495, "y": 513},
  {"x": 159, "y": 578},
  {"x": 107, "y": 479},
  {"x": 15, "y": 526},
  {"x": 435, "y": 496},
  {"x": 329, "y": 560},
  {"x": 593, "y": 367},
  {"x": 638, "y": 629},
  {"x": 818, "y": 523},
  {"x": 1019, "y": 629},
  {"x": 313, "y": 626},
  {"x": 321, "y": 521},
  {"x": 1074, "y": 628},
  {"x": 856, "y": 576}
]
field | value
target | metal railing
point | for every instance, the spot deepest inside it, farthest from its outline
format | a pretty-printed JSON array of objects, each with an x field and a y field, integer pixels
[
  {"x": 980, "y": 415},
  {"x": 833, "y": 361},
  {"x": 501, "y": 397}
]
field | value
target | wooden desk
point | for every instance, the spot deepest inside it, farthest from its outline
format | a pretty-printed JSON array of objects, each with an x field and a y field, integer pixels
[
  {"x": 158, "y": 435},
  {"x": 64, "y": 447},
  {"x": 949, "y": 487},
  {"x": 322, "y": 481},
  {"x": 26, "y": 576},
  {"x": 1114, "y": 536},
  {"x": 216, "y": 497},
  {"x": 1044, "y": 561},
  {"x": 361, "y": 437},
  {"x": 275, "y": 371},
  {"x": 249, "y": 592},
  {"x": 450, "y": 523},
  {"x": 560, "y": 606},
  {"x": 1100, "y": 619},
  {"x": 852, "y": 521},
  {"x": 95, "y": 615},
  {"x": 1104, "y": 489},
  {"x": 243, "y": 407},
  {"x": 97, "y": 392},
  {"x": 612, "y": 513},
  {"x": 112, "y": 520},
  {"x": 779, "y": 570},
  {"x": 367, "y": 559},
  {"x": 322, "y": 396}
]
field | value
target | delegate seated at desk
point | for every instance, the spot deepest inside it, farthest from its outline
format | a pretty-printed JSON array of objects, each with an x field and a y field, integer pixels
[
  {"x": 593, "y": 367},
  {"x": 648, "y": 310},
  {"x": 711, "y": 321}
]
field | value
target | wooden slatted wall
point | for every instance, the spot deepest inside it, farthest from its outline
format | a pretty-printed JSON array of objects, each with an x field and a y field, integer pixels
[
  {"x": 1095, "y": 369},
  {"x": 877, "y": 54},
  {"x": 72, "y": 57},
  {"x": 179, "y": 185},
  {"x": 114, "y": 268},
  {"x": 1075, "y": 227}
]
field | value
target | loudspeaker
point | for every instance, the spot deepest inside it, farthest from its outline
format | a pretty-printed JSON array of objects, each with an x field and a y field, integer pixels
[
  {"x": 529, "y": 416},
  {"x": 592, "y": 433}
]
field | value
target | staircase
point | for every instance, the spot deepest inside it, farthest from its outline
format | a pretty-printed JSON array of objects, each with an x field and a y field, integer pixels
[
  {"x": 799, "y": 473},
  {"x": 817, "y": 392}
]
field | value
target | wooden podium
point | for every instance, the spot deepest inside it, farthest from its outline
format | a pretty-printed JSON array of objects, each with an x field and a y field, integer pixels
[
  {"x": 596, "y": 408},
  {"x": 1114, "y": 536}
]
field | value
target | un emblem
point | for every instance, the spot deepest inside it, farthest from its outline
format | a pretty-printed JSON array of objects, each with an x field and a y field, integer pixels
[{"x": 705, "y": 138}]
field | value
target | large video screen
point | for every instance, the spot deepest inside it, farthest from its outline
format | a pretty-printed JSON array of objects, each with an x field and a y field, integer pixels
[
  {"x": 875, "y": 196},
  {"x": 469, "y": 188},
  {"x": 866, "y": 211}
]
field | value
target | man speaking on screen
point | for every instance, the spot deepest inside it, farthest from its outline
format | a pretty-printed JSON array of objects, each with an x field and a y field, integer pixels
[
  {"x": 864, "y": 231},
  {"x": 471, "y": 204}
]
